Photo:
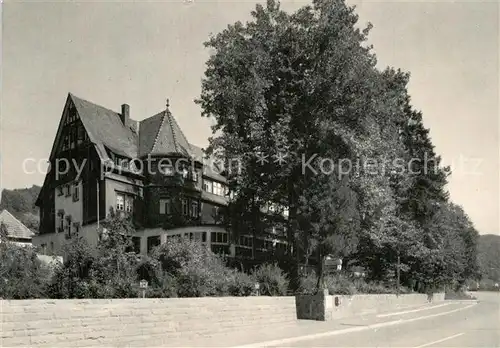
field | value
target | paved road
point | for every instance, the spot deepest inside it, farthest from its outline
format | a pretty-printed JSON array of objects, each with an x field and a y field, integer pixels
[{"x": 466, "y": 324}]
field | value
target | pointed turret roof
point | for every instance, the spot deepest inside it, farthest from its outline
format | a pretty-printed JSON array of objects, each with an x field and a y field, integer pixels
[{"x": 161, "y": 135}]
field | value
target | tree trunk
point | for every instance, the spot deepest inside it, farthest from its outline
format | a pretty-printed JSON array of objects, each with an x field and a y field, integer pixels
[
  {"x": 320, "y": 284},
  {"x": 255, "y": 219}
]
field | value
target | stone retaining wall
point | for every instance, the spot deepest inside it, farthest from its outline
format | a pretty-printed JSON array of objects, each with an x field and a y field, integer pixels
[
  {"x": 324, "y": 307},
  {"x": 135, "y": 322},
  {"x": 172, "y": 322}
]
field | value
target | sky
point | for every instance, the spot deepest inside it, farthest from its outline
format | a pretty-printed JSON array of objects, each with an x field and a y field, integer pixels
[{"x": 113, "y": 53}]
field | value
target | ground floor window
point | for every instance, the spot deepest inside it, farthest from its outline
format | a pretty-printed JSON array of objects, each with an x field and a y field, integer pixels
[
  {"x": 153, "y": 242},
  {"x": 220, "y": 249}
]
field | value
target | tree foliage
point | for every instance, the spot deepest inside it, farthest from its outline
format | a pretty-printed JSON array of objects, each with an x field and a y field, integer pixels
[
  {"x": 21, "y": 204},
  {"x": 22, "y": 274},
  {"x": 305, "y": 84}
]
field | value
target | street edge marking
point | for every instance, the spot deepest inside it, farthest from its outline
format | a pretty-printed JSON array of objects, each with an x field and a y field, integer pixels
[
  {"x": 413, "y": 310},
  {"x": 346, "y": 331},
  {"x": 441, "y": 340}
]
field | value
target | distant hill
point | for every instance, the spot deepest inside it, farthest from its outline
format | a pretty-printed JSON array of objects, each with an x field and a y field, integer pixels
[
  {"x": 489, "y": 257},
  {"x": 21, "y": 204}
]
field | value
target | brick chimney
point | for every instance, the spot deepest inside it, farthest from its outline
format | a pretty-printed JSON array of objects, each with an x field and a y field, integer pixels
[{"x": 125, "y": 115}]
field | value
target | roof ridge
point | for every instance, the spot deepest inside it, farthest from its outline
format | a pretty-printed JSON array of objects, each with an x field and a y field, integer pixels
[
  {"x": 172, "y": 121},
  {"x": 158, "y": 133},
  {"x": 169, "y": 115},
  {"x": 90, "y": 102}
]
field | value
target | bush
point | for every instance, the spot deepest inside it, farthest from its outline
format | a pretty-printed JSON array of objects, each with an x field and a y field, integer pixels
[
  {"x": 199, "y": 272},
  {"x": 272, "y": 280},
  {"x": 240, "y": 284},
  {"x": 107, "y": 271},
  {"x": 340, "y": 285},
  {"x": 22, "y": 274},
  {"x": 307, "y": 285}
]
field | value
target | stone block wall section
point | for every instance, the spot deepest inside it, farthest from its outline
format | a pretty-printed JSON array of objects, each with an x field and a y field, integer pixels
[
  {"x": 324, "y": 307},
  {"x": 136, "y": 322}
]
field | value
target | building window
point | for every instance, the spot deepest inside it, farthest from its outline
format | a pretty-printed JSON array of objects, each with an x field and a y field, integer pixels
[
  {"x": 124, "y": 202},
  {"x": 203, "y": 237},
  {"x": 68, "y": 190},
  {"x": 76, "y": 225},
  {"x": 207, "y": 186},
  {"x": 246, "y": 241},
  {"x": 72, "y": 137},
  {"x": 219, "y": 189},
  {"x": 44, "y": 248},
  {"x": 136, "y": 244},
  {"x": 60, "y": 190},
  {"x": 120, "y": 202},
  {"x": 61, "y": 223},
  {"x": 68, "y": 227},
  {"x": 215, "y": 187},
  {"x": 194, "y": 209},
  {"x": 220, "y": 249},
  {"x": 185, "y": 173},
  {"x": 129, "y": 204},
  {"x": 185, "y": 207},
  {"x": 193, "y": 175},
  {"x": 153, "y": 242},
  {"x": 76, "y": 193},
  {"x": 219, "y": 237},
  {"x": 165, "y": 206},
  {"x": 65, "y": 145},
  {"x": 81, "y": 135}
]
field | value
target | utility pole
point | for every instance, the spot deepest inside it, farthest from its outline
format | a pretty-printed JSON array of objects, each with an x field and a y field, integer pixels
[
  {"x": 97, "y": 203},
  {"x": 398, "y": 273}
]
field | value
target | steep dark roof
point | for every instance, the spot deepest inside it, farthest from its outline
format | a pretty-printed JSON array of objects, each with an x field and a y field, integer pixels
[
  {"x": 148, "y": 129},
  {"x": 105, "y": 129},
  {"x": 158, "y": 135},
  {"x": 210, "y": 166},
  {"x": 161, "y": 135},
  {"x": 15, "y": 228}
]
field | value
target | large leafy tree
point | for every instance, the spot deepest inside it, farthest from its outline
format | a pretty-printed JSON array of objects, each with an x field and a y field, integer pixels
[
  {"x": 304, "y": 86},
  {"x": 299, "y": 84}
]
